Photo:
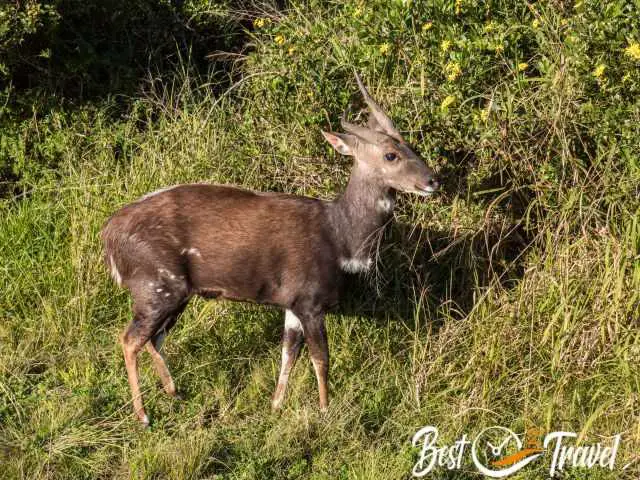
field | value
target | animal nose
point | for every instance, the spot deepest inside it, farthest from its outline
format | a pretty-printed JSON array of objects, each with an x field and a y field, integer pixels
[{"x": 433, "y": 183}]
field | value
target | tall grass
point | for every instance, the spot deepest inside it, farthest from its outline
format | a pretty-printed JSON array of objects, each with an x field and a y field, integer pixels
[{"x": 510, "y": 299}]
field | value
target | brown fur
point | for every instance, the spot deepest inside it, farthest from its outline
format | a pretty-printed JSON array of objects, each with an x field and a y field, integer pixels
[{"x": 228, "y": 242}]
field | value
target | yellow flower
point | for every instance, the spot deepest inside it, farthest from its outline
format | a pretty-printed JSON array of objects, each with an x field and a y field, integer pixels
[
  {"x": 427, "y": 26},
  {"x": 522, "y": 66},
  {"x": 499, "y": 48},
  {"x": 489, "y": 27},
  {"x": 384, "y": 48},
  {"x": 599, "y": 71},
  {"x": 484, "y": 114},
  {"x": 452, "y": 70},
  {"x": 633, "y": 50},
  {"x": 292, "y": 50},
  {"x": 357, "y": 12},
  {"x": 258, "y": 22},
  {"x": 535, "y": 23},
  {"x": 445, "y": 45},
  {"x": 626, "y": 77},
  {"x": 279, "y": 39},
  {"x": 447, "y": 102},
  {"x": 564, "y": 22}
]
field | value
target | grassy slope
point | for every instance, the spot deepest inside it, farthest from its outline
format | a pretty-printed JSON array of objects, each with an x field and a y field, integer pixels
[{"x": 526, "y": 316}]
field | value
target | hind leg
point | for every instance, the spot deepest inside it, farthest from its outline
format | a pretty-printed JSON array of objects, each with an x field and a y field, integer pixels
[
  {"x": 133, "y": 339},
  {"x": 156, "y": 305},
  {"x": 159, "y": 362}
]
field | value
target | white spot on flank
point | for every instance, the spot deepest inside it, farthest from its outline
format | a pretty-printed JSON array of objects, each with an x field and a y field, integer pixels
[
  {"x": 173, "y": 238},
  {"x": 167, "y": 294},
  {"x": 145, "y": 420},
  {"x": 291, "y": 322},
  {"x": 384, "y": 205},
  {"x": 158, "y": 290},
  {"x": 114, "y": 271},
  {"x": 355, "y": 265},
  {"x": 164, "y": 271}
]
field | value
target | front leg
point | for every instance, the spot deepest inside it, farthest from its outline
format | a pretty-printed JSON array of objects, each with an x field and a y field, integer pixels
[
  {"x": 316, "y": 338},
  {"x": 291, "y": 343}
]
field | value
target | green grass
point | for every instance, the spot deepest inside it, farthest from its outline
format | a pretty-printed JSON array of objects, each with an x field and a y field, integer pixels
[{"x": 513, "y": 298}]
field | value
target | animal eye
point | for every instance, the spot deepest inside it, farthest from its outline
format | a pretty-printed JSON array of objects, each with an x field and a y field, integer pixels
[{"x": 390, "y": 157}]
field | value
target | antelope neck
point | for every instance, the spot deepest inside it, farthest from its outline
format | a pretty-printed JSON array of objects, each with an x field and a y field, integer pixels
[{"x": 359, "y": 214}]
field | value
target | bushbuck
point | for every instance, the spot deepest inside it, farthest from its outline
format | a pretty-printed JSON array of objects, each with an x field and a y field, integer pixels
[{"x": 291, "y": 251}]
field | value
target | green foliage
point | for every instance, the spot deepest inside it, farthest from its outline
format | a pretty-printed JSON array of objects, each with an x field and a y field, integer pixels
[
  {"x": 512, "y": 298},
  {"x": 18, "y": 23},
  {"x": 57, "y": 54}
]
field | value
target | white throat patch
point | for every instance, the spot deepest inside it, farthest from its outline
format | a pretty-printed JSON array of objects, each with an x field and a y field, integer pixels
[
  {"x": 385, "y": 205},
  {"x": 355, "y": 265}
]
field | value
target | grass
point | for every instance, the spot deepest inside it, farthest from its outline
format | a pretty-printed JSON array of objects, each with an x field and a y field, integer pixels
[{"x": 510, "y": 299}]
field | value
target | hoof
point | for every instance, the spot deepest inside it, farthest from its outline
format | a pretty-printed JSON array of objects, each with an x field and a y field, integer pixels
[{"x": 144, "y": 421}]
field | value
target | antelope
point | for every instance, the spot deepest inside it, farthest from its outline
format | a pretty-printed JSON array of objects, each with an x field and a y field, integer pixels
[{"x": 220, "y": 241}]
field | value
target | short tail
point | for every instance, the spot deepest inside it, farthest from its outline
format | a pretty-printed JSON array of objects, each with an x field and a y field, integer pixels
[{"x": 109, "y": 255}]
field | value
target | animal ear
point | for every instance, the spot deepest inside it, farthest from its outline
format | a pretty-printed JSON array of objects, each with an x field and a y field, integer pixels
[{"x": 342, "y": 142}]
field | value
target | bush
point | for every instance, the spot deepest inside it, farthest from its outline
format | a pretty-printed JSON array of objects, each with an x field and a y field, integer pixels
[{"x": 56, "y": 55}]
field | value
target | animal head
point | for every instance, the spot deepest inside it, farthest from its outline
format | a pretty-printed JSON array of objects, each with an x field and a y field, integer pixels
[{"x": 380, "y": 151}]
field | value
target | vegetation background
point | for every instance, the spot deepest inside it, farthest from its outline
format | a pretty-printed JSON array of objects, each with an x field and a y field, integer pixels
[{"x": 512, "y": 298}]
